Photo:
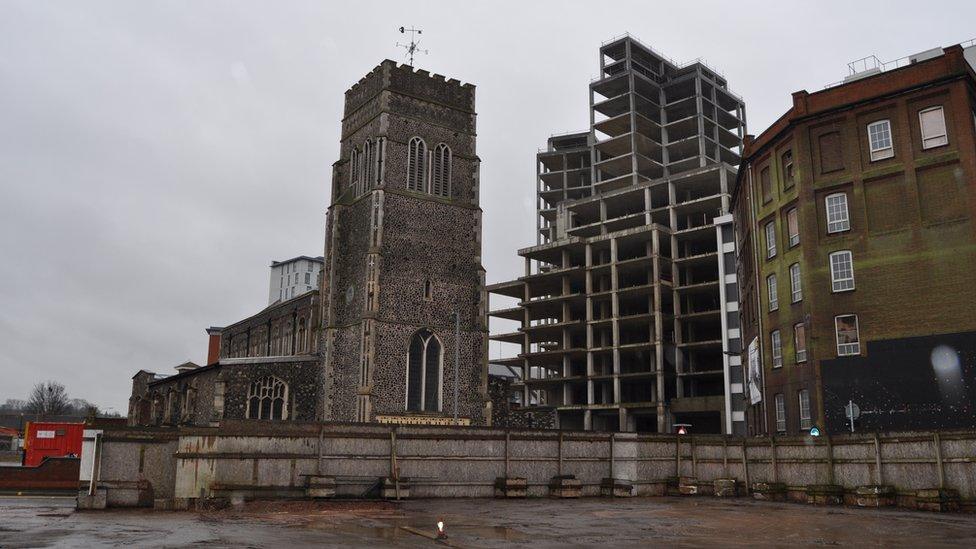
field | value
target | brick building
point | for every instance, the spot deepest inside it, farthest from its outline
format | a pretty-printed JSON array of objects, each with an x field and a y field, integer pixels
[
  {"x": 855, "y": 220},
  {"x": 376, "y": 340}
]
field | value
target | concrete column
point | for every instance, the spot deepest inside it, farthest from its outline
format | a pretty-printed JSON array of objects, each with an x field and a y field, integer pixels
[{"x": 701, "y": 118}]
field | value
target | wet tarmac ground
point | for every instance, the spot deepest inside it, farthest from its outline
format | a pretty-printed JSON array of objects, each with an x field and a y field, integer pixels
[{"x": 655, "y": 522}]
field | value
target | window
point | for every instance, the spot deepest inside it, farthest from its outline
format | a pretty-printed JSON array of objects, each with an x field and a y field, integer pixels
[
  {"x": 796, "y": 289},
  {"x": 441, "y": 177},
  {"x": 831, "y": 152},
  {"x": 879, "y": 139},
  {"x": 770, "y": 239},
  {"x": 837, "y": 217},
  {"x": 424, "y": 372},
  {"x": 773, "y": 294},
  {"x": 308, "y": 278},
  {"x": 417, "y": 165},
  {"x": 780, "y": 413},
  {"x": 793, "y": 227},
  {"x": 309, "y": 265},
  {"x": 788, "y": 169},
  {"x": 800, "y": 342},
  {"x": 803, "y": 396},
  {"x": 302, "y": 340},
  {"x": 354, "y": 166},
  {"x": 368, "y": 161},
  {"x": 767, "y": 185},
  {"x": 777, "y": 346},
  {"x": 428, "y": 290},
  {"x": 848, "y": 339},
  {"x": 842, "y": 271},
  {"x": 932, "y": 123},
  {"x": 267, "y": 399}
]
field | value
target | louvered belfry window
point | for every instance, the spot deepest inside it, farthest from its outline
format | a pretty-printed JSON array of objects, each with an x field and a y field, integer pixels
[
  {"x": 417, "y": 165},
  {"x": 441, "y": 176}
]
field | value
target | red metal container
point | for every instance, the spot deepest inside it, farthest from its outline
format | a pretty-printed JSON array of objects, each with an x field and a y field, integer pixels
[{"x": 50, "y": 439}]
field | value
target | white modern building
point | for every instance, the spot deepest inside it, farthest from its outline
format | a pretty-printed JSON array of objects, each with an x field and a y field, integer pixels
[{"x": 293, "y": 277}]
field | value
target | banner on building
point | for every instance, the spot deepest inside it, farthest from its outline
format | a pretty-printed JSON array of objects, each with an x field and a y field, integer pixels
[{"x": 755, "y": 372}]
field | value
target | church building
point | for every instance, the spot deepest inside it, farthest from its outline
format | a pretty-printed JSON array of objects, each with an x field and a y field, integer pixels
[{"x": 396, "y": 332}]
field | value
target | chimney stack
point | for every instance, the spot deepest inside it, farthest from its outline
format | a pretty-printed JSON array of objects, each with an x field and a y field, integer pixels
[{"x": 213, "y": 348}]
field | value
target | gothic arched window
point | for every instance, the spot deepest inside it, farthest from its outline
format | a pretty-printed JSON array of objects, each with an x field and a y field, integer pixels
[
  {"x": 424, "y": 373},
  {"x": 302, "y": 340},
  {"x": 354, "y": 164},
  {"x": 441, "y": 171},
  {"x": 417, "y": 165},
  {"x": 369, "y": 158},
  {"x": 267, "y": 399}
]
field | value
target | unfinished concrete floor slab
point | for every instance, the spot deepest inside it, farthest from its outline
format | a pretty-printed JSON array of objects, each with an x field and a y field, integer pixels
[{"x": 630, "y": 522}]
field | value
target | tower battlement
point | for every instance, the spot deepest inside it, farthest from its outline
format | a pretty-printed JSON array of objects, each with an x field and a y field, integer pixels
[{"x": 407, "y": 80}]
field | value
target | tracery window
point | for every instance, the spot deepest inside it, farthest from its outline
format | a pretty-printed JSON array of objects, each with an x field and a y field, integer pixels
[
  {"x": 268, "y": 399},
  {"x": 424, "y": 372}
]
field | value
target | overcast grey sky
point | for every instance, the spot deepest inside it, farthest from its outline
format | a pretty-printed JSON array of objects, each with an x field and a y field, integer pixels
[{"x": 156, "y": 156}]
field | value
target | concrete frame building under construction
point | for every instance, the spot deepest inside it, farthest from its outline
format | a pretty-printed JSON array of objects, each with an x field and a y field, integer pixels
[{"x": 622, "y": 317}]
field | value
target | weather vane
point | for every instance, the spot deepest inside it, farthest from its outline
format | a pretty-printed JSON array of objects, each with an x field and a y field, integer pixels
[{"x": 412, "y": 47}]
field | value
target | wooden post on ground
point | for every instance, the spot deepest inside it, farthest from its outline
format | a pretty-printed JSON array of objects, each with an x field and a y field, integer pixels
[
  {"x": 611, "y": 459},
  {"x": 677, "y": 456},
  {"x": 877, "y": 458},
  {"x": 745, "y": 466},
  {"x": 725, "y": 457},
  {"x": 394, "y": 473},
  {"x": 318, "y": 466},
  {"x": 772, "y": 450},
  {"x": 830, "y": 459},
  {"x": 938, "y": 460},
  {"x": 559, "y": 456},
  {"x": 507, "y": 437},
  {"x": 694, "y": 459}
]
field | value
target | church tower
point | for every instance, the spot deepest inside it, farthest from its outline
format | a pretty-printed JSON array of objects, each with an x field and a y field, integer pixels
[{"x": 403, "y": 255}]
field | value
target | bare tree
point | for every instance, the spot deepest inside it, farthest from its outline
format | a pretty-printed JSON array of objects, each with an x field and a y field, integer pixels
[
  {"x": 13, "y": 405},
  {"x": 48, "y": 398}
]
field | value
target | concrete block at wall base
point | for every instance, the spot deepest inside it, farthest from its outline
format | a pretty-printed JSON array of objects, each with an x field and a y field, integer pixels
[
  {"x": 769, "y": 491},
  {"x": 673, "y": 486},
  {"x": 87, "y": 501},
  {"x": 937, "y": 499},
  {"x": 320, "y": 486},
  {"x": 825, "y": 494},
  {"x": 511, "y": 487},
  {"x": 617, "y": 488},
  {"x": 725, "y": 487},
  {"x": 395, "y": 488},
  {"x": 691, "y": 486},
  {"x": 565, "y": 486},
  {"x": 172, "y": 504},
  {"x": 653, "y": 488},
  {"x": 874, "y": 495}
]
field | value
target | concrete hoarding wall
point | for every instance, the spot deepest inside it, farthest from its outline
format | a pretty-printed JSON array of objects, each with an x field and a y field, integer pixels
[
  {"x": 136, "y": 467},
  {"x": 257, "y": 460}
]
